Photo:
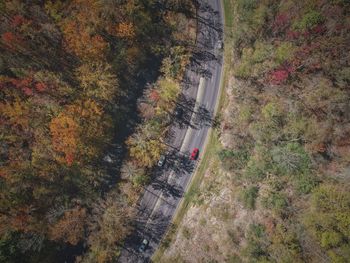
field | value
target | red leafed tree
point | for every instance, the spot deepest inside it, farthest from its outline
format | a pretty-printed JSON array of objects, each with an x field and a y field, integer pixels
[
  {"x": 279, "y": 76},
  {"x": 154, "y": 95},
  {"x": 281, "y": 22},
  {"x": 11, "y": 40},
  {"x": 40, "y": 86},
  {"x": 18, "y": 20}
]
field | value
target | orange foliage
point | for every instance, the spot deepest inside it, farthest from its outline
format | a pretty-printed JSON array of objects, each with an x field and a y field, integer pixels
[
  {"x": 40, "y": 86},
  {"x": 70, "y": 228},
  {"x": 125, "y": 30},
  {"x": 81, "y": 43},
  {"x": 11, "y": 40},
  {"x": 64, "y": 132}
]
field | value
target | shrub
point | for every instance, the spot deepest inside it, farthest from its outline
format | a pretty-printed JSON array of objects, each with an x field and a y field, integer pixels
[
  {"x": 296, "y": 126},
  {"x": 255, "y": 171},
  {"x": 256, "y": 248},
  {"x": 251, "y": 58},
  {"x": 246, "y": 5},
  {"x": 328, "y": 218},
  {"x": 256, "y": 231},
  {"x": 272, "y": 112},
  {"x": 262, "y": 51},
  {"x": 140, "y": 180},
  {"x": 248, "y": 197},
  {"x": 291, "y": 159},
  {"x": 245, "y": 114},
  {"x": 284, "y": 52},
  {"x": 258, "y": 17},
  {"x": 285, "y": 245},
  {"x": 275, "y": 201},
  {"x": 186, "y": 232},
  {"x": 343, "y": 76},
  {"x": 268, "y": 129},
  {"x": 305, "y": 183},
  {"x": 233, "y": 159},
  {"x": 331, "y": 239},
  {"x": 309, "y": 20}
]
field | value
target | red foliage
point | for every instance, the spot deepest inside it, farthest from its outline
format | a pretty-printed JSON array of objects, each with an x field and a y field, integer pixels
[
  {"x": 18, "y": 20},
  {"x": 291, "y": 35},
  {"x": 154, "y": 95},
  {"x": 306, "y": 34},
  {"x": 69, "y": 159},
  {"x": 281, "y": 22},
  {"x": 40, "y": 86},
  {"x": 11, "y": 40},
  {"x": 320, "y": 29},
  {"x": 340, "y": 27},
  {"x": 3, "y": 175},
  {"x": 8, "y": 37},
  {"x": 27, "y": 85},
  {"x": 280, "y": 75},
  {"x": 27, "y": 91}
]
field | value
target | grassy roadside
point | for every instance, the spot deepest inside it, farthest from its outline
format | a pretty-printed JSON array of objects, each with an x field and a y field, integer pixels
[{"x": 210, "y": 152}]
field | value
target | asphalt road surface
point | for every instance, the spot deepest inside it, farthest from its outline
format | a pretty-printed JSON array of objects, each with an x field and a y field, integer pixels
[{"x": 198, "y": 101}]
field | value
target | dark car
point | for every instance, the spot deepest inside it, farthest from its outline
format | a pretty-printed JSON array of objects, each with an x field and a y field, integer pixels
[
  {"x": 194, "y": 154},
  {"x": 178, "y": 113},
  {"x": 161, "y": 161},
  {"x": 143, "y": 245}
]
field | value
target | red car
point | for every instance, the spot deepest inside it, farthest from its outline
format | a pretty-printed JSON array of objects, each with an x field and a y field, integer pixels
[{"x": 194, "y": 154}]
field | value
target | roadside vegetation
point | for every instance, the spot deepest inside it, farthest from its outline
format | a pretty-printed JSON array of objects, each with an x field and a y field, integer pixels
[
  {"x": 278, "y": 189},
  {"x": 86, "y": 93}
]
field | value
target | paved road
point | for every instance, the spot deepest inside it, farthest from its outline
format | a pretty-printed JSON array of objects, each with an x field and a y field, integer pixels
[{"x": 198, "y": 101}]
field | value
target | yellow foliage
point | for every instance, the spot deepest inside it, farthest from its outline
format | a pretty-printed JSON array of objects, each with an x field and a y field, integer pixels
[
  {"x": 17, "y": 112},
  {"x": 125, "y": 30},
  {"x": 64, "y": 131}
]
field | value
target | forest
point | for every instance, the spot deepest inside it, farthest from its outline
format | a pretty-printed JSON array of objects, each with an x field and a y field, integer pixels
[
  {"x": 86, "y": 90},
  {"x": 277, "y": 187}
]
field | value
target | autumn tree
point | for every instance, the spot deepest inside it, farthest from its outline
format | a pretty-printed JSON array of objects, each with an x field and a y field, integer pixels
[
  {"x": 70, "y": 228},
  {"x": 64, "y": 131}
]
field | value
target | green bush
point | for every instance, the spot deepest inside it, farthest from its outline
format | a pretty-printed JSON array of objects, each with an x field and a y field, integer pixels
[
  {"x": 268, "y": 128},
  {"x": 255, "y": 171},
  {"x": 262, "y": 51},
  {"x": 140, "y": 180},
  {"x": 272, "y": 112},
  {"x": 256, "y": 248},
  {"x": 296, "y": 126},
  {"x": 309, "y": 20},
  {"x": 275, "y": 201},
  {"x": 251, "y": 60},
  {"x": 258, "y": 165},
  {"x": 328, "y": 219},
  {"x": 291, "y": 159},
  {"x": 284, "y": 52},
  {"x": 245, "y": 114},
  {"x": 248, "y": 197},
  {"x": 330, "y": 239},
  {"x": 233, "y": 159},
  {"x": 305, "y": 183},
  {"x": 246, "y": 5},
  {"x": 186, "y": 233},
  {"x": 256, "y": 231}
]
